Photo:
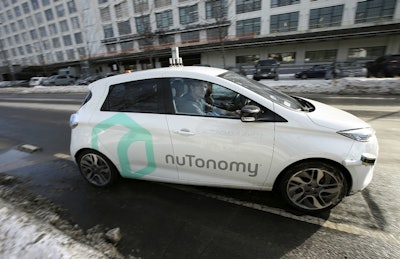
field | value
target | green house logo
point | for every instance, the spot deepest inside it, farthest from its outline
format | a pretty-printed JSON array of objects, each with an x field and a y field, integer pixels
[{"x": 136, "y": 133}]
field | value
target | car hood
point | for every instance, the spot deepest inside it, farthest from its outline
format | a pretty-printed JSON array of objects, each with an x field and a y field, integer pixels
[{"x": 333, "y": 118}]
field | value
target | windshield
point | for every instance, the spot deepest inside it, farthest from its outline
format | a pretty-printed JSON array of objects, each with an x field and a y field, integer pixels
[{"x": 263, "y": 90}]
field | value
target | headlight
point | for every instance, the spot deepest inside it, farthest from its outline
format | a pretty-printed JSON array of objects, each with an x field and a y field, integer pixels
[
  {"x": 73, "y": 120},
  {"x": 362, "y": 135}
]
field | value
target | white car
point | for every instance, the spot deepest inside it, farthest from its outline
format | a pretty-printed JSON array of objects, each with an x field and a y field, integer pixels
[{"x": 213, "y": 127}]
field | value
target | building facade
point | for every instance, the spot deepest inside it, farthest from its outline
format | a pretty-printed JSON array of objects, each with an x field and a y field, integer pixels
[{"x": 101, "y": 36}]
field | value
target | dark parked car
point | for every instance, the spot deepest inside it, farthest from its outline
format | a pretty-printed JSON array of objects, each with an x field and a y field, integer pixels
[
  {"x": 385, "y": 66},
  {"x": 266, "y": 69},
  {"x": 317, "y": 71}
]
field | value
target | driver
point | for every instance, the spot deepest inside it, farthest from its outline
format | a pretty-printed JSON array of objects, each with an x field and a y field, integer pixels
[{"x": 193, "y": 102}]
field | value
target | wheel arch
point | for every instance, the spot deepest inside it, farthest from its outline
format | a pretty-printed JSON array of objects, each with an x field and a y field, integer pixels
[{"x": 346, "y": 173}]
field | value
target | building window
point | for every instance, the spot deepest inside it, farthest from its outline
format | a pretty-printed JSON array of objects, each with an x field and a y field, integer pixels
[
  {"x": 245, "y": 6},
  {"x": 321, "y": 55},
  {"x": 102, "y": 1},
  {"x": 140, "y": 6},
  {"x": 127, "y": 45},
  {"x": 284, "y": 22},
  {"x": 25, "y": 7},
  {"x": 67, "y": 40},
  {"x": 70, "y": 54},
  {"x": 49, "y": 14},
  {"x": 75, "y": 23},
  {"x": 111, "y": 47},
  {"x": 366, "y": 52},
  {"x": 71, "y": 7},
  {"x": 166, "y": 39},
  {"x": 35, "y": 4},
  {"x": 143, "y": 24},
  {"x": 216, "y": 9},
  {"x": 375, "y": 10},
  {"x": 105, "y": 14},
  {"x": 121, "y": 10},
  {"x": 39, "y": 18},
  {"x": 53, "y": 28},
  {"x": 249, "y": 59},
  {"x": 108, "y": 31},
  {"x": 192, "y": 36},
  {"x": 164, "y": 19},
  {"x": 124, "y": 28},
  {"x": 43, "y": 32},
  {"x": 56, "y": 43},
  {"x": 188, "y": 14},
  {"x": 81, "y": 51},
  {"x": 60, "y": 56},
  {"x": 34, "y": 35},
  {"x": 64, "y": 26},
  {"x": 217, "y": 33},
  {"x": 286, "y": 57},
  {"x": 17, "y": 11},
  {"x": 45, "y": 2},
  {"x": 326, "y": 17},
  {"x": 248, "y": 27},
  {"x": 60, "y": 10},
  {"x": 278, "y": 3},
  {"x": 78, "y": 38},
  {"x": 161, "y": 3},
  {"x": 28, "y": 49},
  {"x": 21, "y": 24}
]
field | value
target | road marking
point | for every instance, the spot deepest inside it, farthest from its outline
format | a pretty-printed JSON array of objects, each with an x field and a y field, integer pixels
[
  {"x": 28, "y": 148},
  {"x": 377, "y": 234}
]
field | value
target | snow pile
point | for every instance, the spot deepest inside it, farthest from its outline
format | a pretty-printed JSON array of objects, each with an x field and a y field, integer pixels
[
  {"x": 288, "y": 84},
  {"x": 23, "y": 236},
  {"x": 348, "y": 85}
]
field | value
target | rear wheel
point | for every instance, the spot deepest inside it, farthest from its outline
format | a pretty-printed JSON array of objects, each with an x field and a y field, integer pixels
[
  {"x": 313, "y": 186},
  {"x": 97, "y": 169}
]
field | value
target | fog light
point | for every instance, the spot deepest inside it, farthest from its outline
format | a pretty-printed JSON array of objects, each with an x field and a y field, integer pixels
[{"x": 368, "y": 159}]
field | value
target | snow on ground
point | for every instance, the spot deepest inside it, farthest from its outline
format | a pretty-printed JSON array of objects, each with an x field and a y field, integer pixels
[
  {"x": 23, "y": 236},
  {"x": 288, "y": 84}
]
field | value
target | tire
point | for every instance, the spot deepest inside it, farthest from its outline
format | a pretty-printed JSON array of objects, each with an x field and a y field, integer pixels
[
  {"x": 97, "y": 169},
  {"x": 313, "y": 186}
]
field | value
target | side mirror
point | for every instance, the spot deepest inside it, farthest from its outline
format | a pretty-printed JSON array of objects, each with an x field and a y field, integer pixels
[{"x": 249, "y": 113}]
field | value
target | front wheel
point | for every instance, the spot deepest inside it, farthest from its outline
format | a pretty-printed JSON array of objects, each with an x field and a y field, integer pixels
[
  {"x": 313, "y": 186},
  {"x": 96, "y": 168}
]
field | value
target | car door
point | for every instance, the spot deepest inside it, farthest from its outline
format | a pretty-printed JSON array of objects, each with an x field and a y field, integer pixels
[
  {"x": 217, "y": 148},
  {"x": 131, "y": 129}
]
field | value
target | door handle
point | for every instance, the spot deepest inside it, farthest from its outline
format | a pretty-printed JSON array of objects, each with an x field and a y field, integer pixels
[{"x": 185, "y": 132}]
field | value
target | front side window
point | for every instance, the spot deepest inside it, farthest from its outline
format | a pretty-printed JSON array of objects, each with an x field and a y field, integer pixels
[{"x": 137, "y": 96}]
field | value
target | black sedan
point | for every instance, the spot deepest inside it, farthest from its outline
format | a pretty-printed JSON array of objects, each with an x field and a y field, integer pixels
[{"x": 317, "y": 71}]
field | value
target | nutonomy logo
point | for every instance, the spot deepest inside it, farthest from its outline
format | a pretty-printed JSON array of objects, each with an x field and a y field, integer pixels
[
  {"x": 212, "y": 164},
  {"x": 136, "y": 133}
]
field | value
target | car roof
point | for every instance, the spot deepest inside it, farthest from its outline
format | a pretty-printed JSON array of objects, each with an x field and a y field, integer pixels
[{"x": 198, "y": 72}]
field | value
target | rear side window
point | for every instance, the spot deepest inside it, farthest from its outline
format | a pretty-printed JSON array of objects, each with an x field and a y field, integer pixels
[{"x": 136, "y": 96}]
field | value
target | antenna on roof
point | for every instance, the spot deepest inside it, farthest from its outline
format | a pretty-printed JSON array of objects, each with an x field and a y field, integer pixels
[{"x": 175, "y": 61}]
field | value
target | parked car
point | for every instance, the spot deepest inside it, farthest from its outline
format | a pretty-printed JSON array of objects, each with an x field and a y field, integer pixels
[
  {"x": 385, "y": 66},
  {"x": 317, "y": 71},
  {"x": 35, "y": 81},
  {"x": 49, "y": 80},
  {"x": 268, "y": 69},
  {"x": 89, "y": 79},
  {"x": 351, "y": 68},
  {"x": 246, "y": 136},
  {"x": 64, "y": 80},
  {"x": 237, "y": 69}
]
